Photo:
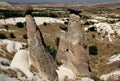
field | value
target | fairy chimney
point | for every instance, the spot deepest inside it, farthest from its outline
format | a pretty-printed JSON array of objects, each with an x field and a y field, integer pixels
[
  {"x": 40, "y": 57},
  {"x": 73, "y": 51}
]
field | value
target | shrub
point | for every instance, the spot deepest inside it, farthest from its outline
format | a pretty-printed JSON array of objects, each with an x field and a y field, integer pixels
[
  {"x": 93, "y": 50},
  {"x": 25, "y": 36},
  {"x": 2, "y": 36},
  {"x": 111, "y": 21},
  {"x": 54, "y": 15},
  {"x": 93, "y": 29},
  {"x": 45, "y": 24},
  {"x": 52, "y": 51},
  {"x": 57, "y": 40},
  {"x": 12, "y": 35},
  {"x": 95, "y": 77},
  {"x": 85, "y": 17},
  {"x": 88, "y": 23},
  {"x": 20, "y": 24},
  {"x": 45, "y": 14},
  {"x": 66, "y": 22},
  {"x": 58, "y": 62},
  {"x": 116, "y": 53},
  {"x": 6, "y": 27}
]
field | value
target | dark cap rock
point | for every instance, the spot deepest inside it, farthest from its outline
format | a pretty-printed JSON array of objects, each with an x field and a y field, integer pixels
[
  {"x": 74, "y": 11},
  {"x": 28, "y": 9}
]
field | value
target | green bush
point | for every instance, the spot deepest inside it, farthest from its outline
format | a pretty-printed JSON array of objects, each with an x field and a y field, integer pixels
[
  {"x": 25, "y": 36},
  {"x": 52, "y": 51},
  {"x": 12, "y": 35},
  {"x": 2, "y": 36},
  {"x": 20, "y": 24},
  {"x": 93, "y": 50}
]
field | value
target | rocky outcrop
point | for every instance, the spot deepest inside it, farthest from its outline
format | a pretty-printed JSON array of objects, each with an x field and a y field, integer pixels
[
  {"x": 72, "y": 51},
  {"x": 20, "y": 62},
  {"x": 40, "y": 57}
]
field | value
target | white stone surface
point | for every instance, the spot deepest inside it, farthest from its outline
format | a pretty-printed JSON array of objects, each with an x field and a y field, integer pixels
[
  {"x": 21, "y": 62},
  {"x": 114, "y": 58},
  {"x": 6, "y": 78},
  {"x": 62, "y": 72},
  {"x": 14, "y": 46},
  {"x": 93, "y": 20},
  {"x": 86, "y": 79},
  {"x": 100, "y": 18},
  {"x": 113, "y": 74},
  {"x": 104, "y": 29},
  {"x": 39, "y": 20}
]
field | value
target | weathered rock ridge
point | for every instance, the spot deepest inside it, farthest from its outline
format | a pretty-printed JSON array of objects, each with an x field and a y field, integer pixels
[
  {"x": 72, "y": 51},
  {"x": 40, "y": 57}
]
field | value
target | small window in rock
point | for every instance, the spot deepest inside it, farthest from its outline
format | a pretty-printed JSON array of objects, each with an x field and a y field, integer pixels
[
  {"x": 67, "y": 50},
  {"x": 85, "y": 46},
  {"x": 103, "y": 36},
  {"x": 98, "y": 33},
  {"x": 89, "y": 69}
]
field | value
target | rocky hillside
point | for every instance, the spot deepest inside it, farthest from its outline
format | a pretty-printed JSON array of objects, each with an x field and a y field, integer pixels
[
  {"x": 3, "y": 3},
  {"x": 101, "y": 39}
]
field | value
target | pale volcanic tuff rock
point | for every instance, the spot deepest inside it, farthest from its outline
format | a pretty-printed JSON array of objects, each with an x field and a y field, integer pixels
[
  {"x": 72, "y": 51},
  {"x": 40, "y": 57}
]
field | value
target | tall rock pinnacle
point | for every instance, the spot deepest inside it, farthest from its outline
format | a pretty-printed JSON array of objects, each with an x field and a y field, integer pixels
[
  {"x": 39, "y": 55},
  {"x": 72, "y": 51}
]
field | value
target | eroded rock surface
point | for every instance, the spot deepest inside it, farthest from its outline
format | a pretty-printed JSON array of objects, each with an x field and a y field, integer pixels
[
  {"x": 73, "y": 52},
  {"x": 40, "y": 57}
]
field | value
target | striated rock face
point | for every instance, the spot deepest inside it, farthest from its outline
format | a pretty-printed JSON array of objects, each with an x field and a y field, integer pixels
[
  {"x": 73, "y": 52},
  {"x": 41, "y": 59}
]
